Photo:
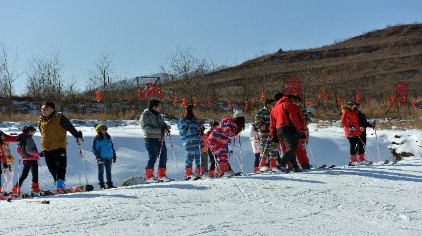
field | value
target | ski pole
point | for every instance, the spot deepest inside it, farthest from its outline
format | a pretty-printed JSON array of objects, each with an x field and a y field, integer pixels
[
  {"x": 235, "y": 155},
  {"x": 200, "y": 152},
  {"x": 19, "y": 175},
  {"x": 240, "y": 152},
  {"x": 378, "y": 149},
  {"x": 366, "y": 149},
  {"x": 161, "y": 147},
  {"x": 83, "y": 161},
  {"x": 172, "y": 149}
]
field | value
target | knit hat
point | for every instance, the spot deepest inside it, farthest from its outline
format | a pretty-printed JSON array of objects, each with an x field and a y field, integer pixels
[
  {"x": 237, "y": 113},
  {"x": 153, "y": 103},
  {"x": 100, "y": 126}
]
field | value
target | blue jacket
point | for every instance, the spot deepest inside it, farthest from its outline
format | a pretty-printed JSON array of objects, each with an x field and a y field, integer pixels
[
  {"x": 190, "y": 132},
  {"x": 103, "y": 148}
]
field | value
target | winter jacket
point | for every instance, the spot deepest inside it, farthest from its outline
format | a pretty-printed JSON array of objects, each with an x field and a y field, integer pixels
[
  {"x": 9, "y": 157},
  {"x": 349, "y": 119},
  {"x": 363, "y": 122},
  {"x": 285, "y": 113},
  {"x": 152, "y": 124},
  {"x": 190, "y": 132},
  {"x": 6, "y": 138},
  {"x": 221, "y": 135},
  {"x": 262, "y": 122},
  {"x": 254, "y": 138},
  {"x": 53, "y": 131},
  {"x": 27, "y": 148},
  {"x": 103, "y": 148}
]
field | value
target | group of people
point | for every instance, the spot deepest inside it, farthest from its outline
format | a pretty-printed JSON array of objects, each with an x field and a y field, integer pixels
[
  {"x": 53, "y": 127},
  {"x": 279, "y": 127}
]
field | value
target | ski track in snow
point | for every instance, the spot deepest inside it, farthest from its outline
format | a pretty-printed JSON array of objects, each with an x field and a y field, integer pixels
[{"x": 370, "y": 200}]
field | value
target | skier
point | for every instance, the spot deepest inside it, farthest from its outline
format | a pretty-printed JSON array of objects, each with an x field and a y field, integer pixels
[
  {"x": 154, "y": 127},
  {"x": 204, "y": 154},
  {"x": 301, "y": 155},
  {"x": 190, "y": 129},
  {"x": 53, "y": 128},
  {"x": 269, "y": 149},
  {"x": 5, "y": 139},
  {"x": 363, "y": 124},
  {"x": 256, "y": 146},
  {"x": 211, "y": 155},
  {"x": 104, "y": 152},
  {"x": 8, "y": 169},
  {"x": 349, "y": 119},
  {"x": 284, "y": 119},
  {"x": 30, "y": 156},
  {"x": 220, "y": 137}
]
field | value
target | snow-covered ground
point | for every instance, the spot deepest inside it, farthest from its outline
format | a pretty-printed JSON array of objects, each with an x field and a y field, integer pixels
[{"x": 375, "y": 200}]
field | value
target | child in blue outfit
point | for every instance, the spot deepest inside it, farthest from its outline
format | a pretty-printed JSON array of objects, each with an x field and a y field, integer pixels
[
  {"x": 103, "y": 149},
  {"x": 190, "y": 130}
]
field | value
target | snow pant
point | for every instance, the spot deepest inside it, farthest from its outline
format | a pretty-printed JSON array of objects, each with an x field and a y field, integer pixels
[
  {"x": 29, "y": 165},
  {"x": 193, "y": 155},
  {"x": 212, "y": 159},
  {"x": 56, "y": 161},
  {"x": 153, "y": 146},
  {"x": 107, "y": 166},
  {"x": 256, "y": 163},
  {"x": 363, "y": 141},
  {"x": 269, "y": 150},
  {"x": 204, "y": 161},
  {"x": 356, "y": 146},
  {"x": 289, "y": 135},
  {"x": 8, "y": 183},
  {"x": 301, "y": 155}
]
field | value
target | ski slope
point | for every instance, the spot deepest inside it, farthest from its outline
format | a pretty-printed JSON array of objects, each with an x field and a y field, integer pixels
[{"x": 375, "y": 200}]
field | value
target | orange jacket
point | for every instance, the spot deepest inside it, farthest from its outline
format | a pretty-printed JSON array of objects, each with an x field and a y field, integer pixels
[{"x": 350, "y": 121}]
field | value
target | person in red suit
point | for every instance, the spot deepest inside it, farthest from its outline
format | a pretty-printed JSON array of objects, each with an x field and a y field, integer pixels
[
  {"x": 349, "y": 120},
  {"x": 284, "y": 119}
]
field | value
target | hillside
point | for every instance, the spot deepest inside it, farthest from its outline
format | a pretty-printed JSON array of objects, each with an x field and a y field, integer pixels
[{"x": 370, "y": 64}]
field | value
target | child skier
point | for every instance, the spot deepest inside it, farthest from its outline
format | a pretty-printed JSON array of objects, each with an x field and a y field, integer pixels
[
  {"x": 211, "y": 155},
  {"x": 30, "y": 156},
  {"x": 256, "y": 146},
  {"x": 363, "y": 124},
  {"x": 220, "y": 137},
  {"x": 269, "y": 149},
  {"x": 190, "y": 129},
  {"x": 8, "y": 170},
  {"x": 4, "y": 163},
  {"x": 104, "y": 152}
]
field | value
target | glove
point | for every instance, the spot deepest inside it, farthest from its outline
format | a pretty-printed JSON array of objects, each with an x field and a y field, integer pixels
[
  {"x": 114, "y": 159},
  {"x": 275, "y": 139},
  {"x": 5, "y": 166},
  {"x": 99, "y": 160},
  {"x": 301, "y": 135}
]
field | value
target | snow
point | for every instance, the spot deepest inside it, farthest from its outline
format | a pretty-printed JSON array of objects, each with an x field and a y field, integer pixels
[{"x": 374, "y": 200}]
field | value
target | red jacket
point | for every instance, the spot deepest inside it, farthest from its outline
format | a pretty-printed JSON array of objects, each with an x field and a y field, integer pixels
[
  {"x": 285, "y": 113},
  {"x": 8, "y": 139},
  {"x": 350, "y": 121}
]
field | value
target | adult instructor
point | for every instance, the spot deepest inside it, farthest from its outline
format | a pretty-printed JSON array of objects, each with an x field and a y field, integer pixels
[{"x": 53, "y": 128}]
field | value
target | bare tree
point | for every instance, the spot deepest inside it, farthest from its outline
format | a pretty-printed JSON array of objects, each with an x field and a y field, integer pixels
[
  {"x": 45, "y": 79},
  {"x": 186, "y": 72},
  {"x": 8, "y": 75},
  {"x": 103, "y": 78}
]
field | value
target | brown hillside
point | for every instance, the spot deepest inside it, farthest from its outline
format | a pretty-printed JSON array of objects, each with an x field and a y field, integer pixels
[{"x": 370, "y": 64}]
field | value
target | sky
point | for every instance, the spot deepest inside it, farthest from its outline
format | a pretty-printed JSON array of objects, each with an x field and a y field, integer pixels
[{"x": 140, "y": 35}]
